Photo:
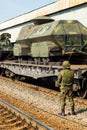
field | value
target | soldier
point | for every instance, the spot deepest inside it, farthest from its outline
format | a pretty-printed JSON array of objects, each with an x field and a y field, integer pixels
[{"x": 65, "y": 80}]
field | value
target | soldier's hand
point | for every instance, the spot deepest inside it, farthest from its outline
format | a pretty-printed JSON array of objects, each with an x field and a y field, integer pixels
[{"x": 57, "y": 84}]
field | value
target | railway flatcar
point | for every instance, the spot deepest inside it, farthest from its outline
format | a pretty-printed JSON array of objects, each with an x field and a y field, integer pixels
[{"x": 43, "y": 46}]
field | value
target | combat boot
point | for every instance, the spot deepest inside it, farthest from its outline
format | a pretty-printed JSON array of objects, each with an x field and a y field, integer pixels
[
  {"x": 72, "y": 111},
  {"x": 62, "y": 112}
]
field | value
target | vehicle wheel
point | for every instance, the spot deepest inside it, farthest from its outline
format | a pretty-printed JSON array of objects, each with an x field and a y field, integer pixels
[
  {"x": 7, "y": 73},
  {"x": 82, "y": 93},
  {"x": 2, "y": 73}
]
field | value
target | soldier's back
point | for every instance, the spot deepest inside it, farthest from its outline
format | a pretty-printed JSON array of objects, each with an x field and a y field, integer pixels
[{"x": 67, "y": 77}]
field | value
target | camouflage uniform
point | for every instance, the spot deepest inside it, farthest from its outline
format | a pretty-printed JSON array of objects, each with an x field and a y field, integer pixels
[{"x": 65, "y": 79}]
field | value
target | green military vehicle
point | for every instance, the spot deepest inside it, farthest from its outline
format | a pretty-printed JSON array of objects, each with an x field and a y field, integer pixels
[
  {"x": 52, "y": 41},
  {"x": 6, "y": 48}
]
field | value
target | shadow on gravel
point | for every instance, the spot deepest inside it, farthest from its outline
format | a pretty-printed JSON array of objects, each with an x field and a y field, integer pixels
[{"x": 81, "y": 111}]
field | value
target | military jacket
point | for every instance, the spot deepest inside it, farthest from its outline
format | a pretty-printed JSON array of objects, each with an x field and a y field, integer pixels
[{"x": 66, "y": 77}]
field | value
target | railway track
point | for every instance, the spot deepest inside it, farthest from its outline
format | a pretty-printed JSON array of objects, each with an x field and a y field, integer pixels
[
  {"x": 12, "y": 118},
  {"x": 43, "y": 103}
]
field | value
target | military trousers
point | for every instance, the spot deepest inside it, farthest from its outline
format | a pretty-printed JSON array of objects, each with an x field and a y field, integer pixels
[{"x": 66, "y": 91}]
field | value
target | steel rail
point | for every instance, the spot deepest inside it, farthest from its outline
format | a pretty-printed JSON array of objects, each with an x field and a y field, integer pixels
[{"x": 26, "y": 115}]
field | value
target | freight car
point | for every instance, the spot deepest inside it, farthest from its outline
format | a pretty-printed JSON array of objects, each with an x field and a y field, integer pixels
[{"x": 47, "y": 44}]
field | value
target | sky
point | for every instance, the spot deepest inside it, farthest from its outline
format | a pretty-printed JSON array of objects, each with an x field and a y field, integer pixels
[{"x": 13, "y": 8}]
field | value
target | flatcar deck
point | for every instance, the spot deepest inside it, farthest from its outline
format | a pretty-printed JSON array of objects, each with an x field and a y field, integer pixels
[{"x": 40, "y": 71}]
